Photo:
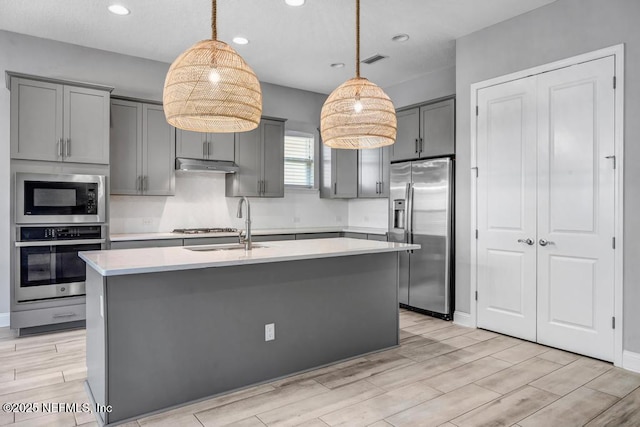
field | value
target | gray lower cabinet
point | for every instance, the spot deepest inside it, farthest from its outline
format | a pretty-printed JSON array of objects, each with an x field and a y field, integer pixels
[
  {"x": 260, "y": 157},
  {"x": 365, "y": 236},
  {"x": 425, "y": 131},
  {"x": 210, "y": 241},
  {"x": 142, "y": 150},
  {"x": 304, "y": 236},
  {"x": 273, "y": 237},
  {"x": 207, "y": 146},
  {"x": 373, "y": 173},
  {"x": 61, "y": 122},
  {"x": 338, "y": 173},
  {"x": 154, "y": 243}
]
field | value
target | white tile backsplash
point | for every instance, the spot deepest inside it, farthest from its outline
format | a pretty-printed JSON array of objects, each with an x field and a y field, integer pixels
[
  {"x": 369, "y": 213},
  {"x": 200, "y": 202}
]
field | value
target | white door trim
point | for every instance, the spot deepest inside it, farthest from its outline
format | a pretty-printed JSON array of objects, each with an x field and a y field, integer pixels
[{"x": 617, "y": 52}]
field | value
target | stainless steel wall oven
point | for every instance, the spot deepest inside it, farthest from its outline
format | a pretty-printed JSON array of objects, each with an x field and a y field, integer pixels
[{"x": 47, "y": 262}]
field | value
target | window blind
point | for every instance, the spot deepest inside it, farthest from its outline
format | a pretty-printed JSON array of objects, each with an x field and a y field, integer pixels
[{"x": 298, "y": 161}]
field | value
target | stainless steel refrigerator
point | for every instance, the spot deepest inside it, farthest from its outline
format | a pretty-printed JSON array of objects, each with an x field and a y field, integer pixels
[{"x": 421, "y": 211}]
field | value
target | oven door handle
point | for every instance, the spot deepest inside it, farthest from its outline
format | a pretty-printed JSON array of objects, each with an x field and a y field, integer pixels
[{"x": 60, "y": 243}]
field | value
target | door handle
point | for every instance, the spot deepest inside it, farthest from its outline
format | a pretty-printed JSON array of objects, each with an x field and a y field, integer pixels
[
  {"x": 417, "y": 145},
  {"x": 527, "y": 241},
  {"x": 421, "y": 145},
  {"x": 544, "y": 242},
  {"x": 60, "y": 147},
  {"x": 68, "y": 147}
]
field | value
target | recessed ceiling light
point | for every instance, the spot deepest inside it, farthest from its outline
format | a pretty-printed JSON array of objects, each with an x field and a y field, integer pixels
[
  {"x": 294, "y": 2},
  {"x": 400, "y": 38},
  {"x": 118, "y": 9},
  {"x": 240, "y": 40},
  {"x": 337, "y": 65}
]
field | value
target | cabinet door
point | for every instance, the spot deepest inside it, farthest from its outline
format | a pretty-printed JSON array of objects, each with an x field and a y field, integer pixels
[
  {"x": 437, "y": 129},
  {"x": 126, "y": 147},
  {"x": 384, "y": 172},
  {"x": 221, "y": 146},
  {"x": 86, "y": 125},
  {"x": 407, "y": 138},
  {"x": 369, "y": 163},
  {"x": 273, "y": 158},
  {"x": 36, "y": 120},
  {"x": 248, "y": 157},
  {"x": 345, "y": 184},
  {"x": 190, "y": 145},
  {"x": 158, "y": 148}
]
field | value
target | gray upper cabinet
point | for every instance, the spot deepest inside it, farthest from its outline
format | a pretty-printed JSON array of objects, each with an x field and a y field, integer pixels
[
  {"x": 158, "y": 152},
  {"x": 437, "y": 129},
  {"x": 425, "y": 131},
  {"x": 208, "y": 146},
  {"x": 373, "y": 172},
  {"x": 260, "y": 156},
  {"x": 59, "y": 122},
  {"x": 407, "y": 142},
  {"x": 338, "y": 173},
  {"x": 142, "y": 150}
]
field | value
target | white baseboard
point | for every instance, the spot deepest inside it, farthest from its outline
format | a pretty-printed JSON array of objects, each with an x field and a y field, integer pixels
[
  {"x": 4, "y": 320},
  {"x": 631, "y": 361},
  {"x": 462, "y": 319}
]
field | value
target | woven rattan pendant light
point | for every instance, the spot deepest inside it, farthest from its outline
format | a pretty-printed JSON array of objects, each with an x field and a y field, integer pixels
[
  {"x": 358, "y": 114},
  {"x": 210, "y": 88}
]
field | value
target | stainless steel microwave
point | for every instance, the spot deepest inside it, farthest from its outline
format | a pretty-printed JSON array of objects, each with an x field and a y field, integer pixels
[{"x": 58, "y": 199}]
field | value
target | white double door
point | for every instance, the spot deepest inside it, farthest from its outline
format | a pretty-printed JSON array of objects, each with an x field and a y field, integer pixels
[{"x": 545, "y": 208}]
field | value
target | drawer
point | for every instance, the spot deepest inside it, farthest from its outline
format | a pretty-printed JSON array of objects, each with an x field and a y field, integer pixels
[
  {"x": 155, "y": 243},
  {"x": 273, "y": 237},
  {"x": 354, "y": 235},
  {"x": 47, "y": 316},
  {"x": 380, "y": 237},
  {"x": 209, "y": 241}
]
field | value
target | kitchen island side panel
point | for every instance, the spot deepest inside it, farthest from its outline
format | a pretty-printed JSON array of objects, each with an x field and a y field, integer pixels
[
  {"x": 175, "y": 337},
  {"x": 96, "y": 336}
]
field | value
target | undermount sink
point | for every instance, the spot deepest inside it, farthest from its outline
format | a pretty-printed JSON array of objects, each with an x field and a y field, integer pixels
[{"x": 227, "y": 247}]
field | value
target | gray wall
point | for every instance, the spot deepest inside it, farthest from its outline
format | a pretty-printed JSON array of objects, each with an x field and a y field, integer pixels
[
  {"x": 131, "y": 76},
  {"x": 562, "y": 29},
  {"x": 436, "y": 84}
]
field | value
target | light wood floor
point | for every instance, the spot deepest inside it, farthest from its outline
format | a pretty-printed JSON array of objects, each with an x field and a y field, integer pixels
[{"x": 441, "y": 375}]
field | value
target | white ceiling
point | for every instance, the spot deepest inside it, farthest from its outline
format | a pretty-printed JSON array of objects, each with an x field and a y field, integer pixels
[{"x": 289, "y": 46}]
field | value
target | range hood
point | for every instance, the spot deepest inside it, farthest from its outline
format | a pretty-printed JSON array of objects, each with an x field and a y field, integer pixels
[{"x": 199, "y": 165}]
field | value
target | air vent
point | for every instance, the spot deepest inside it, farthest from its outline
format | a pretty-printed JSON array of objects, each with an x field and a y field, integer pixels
[{"x": 373, "y": 59}]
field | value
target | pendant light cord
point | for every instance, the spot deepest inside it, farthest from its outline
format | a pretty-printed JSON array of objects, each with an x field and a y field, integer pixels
[
  {"x": 357, "y": 38},
  {"x": 214, "y": 18}
]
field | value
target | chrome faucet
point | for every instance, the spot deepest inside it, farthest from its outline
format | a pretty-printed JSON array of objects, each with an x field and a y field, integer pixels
[{"x": 247, "y": 238}]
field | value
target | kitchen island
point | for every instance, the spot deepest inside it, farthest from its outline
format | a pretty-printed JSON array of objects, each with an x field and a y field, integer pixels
[{"x": 166, "y": 326}]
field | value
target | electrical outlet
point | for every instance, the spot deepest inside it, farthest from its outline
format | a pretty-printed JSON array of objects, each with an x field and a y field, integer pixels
[
  {"x": 296, "y": 220},
  {"x": 147, "y": 221},
  {"x": 270, "y": 332}
]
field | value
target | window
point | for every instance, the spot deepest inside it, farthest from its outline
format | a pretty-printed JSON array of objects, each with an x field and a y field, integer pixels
[{"x": 298, "y": 160}]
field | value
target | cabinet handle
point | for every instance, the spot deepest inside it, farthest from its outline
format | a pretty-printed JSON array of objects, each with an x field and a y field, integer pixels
[
  {"x": 138, "y": 183},
  {"x": 417, "y": 145},
  {"x": 144, "y": 183},
  {"x": 208, "y": 149},
  {"x": 204, "y": 150},
  {"x": 68, "y": 147},
  {"x": 61, "y": 315},
  {"x": 60, "y": 148},
  {"x": 335, "y": 188},
  {"x": 421, "y": 145},
  {"x": 264, "y": 187}
]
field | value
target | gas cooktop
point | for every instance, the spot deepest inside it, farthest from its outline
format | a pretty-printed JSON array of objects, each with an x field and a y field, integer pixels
[{"x": 204, "y": 230}]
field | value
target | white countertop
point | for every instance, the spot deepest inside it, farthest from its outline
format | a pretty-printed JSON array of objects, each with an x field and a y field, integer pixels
[
  {"x": 169, "y": 235},
  {"x": 149, "y": 260}
]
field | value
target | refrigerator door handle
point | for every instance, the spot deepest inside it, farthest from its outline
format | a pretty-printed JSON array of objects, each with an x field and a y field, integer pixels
[{"x": 409, "y": 213}]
